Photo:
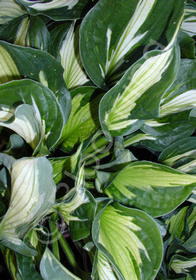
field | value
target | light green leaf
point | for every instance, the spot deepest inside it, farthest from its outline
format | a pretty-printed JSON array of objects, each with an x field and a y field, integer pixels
[
  {"x": 8, "y": 69},
  {"x": 130, "y": 241},
  {"x": 32, "y": 196},
  {"x": 43, "y": 120},
  {"x": 83, "y": 120},
  {"x": 9, "y": 10},
  {"x": 111, "y": 33},
  {"x": 80, "y": 226},
  {"x": 51, "y": 268},
  {"x": 176, "y": 224},
  {"x": 137, "y": 137},
  {"x": 67, "y": 204},
  {"x": 103, "y": 268},
  {"x": 138, "y": 93},
  {"x": 56, "y": 9},
  {"x": 182, "y": 264},
  {"x": 152, "y": 187},
  {"x": 63, "y": 166},
  {"x": 21, "y": 34},
  {"x": 74, "y": 74}
]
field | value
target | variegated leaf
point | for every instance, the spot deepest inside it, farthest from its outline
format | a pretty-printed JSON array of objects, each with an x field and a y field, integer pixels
[
  {"x": 102, "y": 268},
  {"x": 10, "y": 10},
  {"x": 181, "y": 264},
  {"x": 51, "y": 268},
  {"x": 189, "y": 22},
  {"x": 55, "y": 9},
  {"x": 32, "y": 32},
  {"x": 111, "y": 33},
  {"x": 177, "y": 119},
  {"x": 74, "y": 74},
  {"x": 36, "y": 65},
  {"x": 8, "y": 69},
  {"x": 43, "y": 120},
  {"x": 137, "y": 138},
  {"x": 130, "y": 240},
  {"x": 152, "y": 187},
  {"x": 181, "y": 96},
  {"x": 73, "y": 199},
  {"x": 168, "y": 129},
  {"x": 180, "y": 152},
  {"x": 32, "y": 196},
  {"x": 189, "y": 167},
  {"x": 25, "y": 121},
  {"x": 137, "y": 95},
  {"x": 83, "y": 121},
  {"x": 182, "y": 102}
]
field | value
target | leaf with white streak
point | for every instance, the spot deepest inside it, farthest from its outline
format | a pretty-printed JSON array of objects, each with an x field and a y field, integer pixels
[
  {"x": 83, "y": 120},
  {"x": 189, "y": 22},
  {"x": 51, "y": 268},
  {"x": 8, "y": 69},
  {"x": 112, "y": 32},
  {"x": 74, "y": 74},
  {"x": 130, "y": 240},
  {"x": 73, "y": 199},
  {"x": 32, "y": 195},
  {"x": 176, "y": 109},
  {"x": 25, "y": 123},
  {"x": 9, "y": 10},
  {"x": 36, "y": 65},
  {"x": 182, "y": 102},
  {"x": 102, "y": 268},
  {"x": 180, "y": 152},
  {"x": 181, "y": 264},
  {"x": 56, "y": 9},
  {"x": 137, "y": 95},
  {"x": 43, "y": 120},
  {"x": 168, "y": 129},
  {"x": 149, "y": 186},
  {"x": 181, "y": 96}
]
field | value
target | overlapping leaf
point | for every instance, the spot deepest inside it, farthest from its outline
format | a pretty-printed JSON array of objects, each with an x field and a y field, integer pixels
[
  {"x": 36, "y": 65},
  {"x": 56, "y": 9},
  {"x": 83, "y": 119},
  {"x": 74, "y": 74},
  {"x": 32, "y": 195},
  {"x": 137, "y": 95},
  {"x": 9, "y": 10},
  {"x": 148, "y": 186},
  {"x": 112, "y": 32},
  {"x": 189, "y": 22},
  {"x": 179, "y": 153},
  {"x": 51, "y": 268},
  {"x": 43, "y": 120},
  {"x": 176, "y": 117},
  {"x": 130, "y": 241},
  {"x": 27, "y": 31}
]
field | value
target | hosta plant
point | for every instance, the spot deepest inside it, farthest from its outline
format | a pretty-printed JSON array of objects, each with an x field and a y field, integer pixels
[{"x": 98, "y": 147}]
